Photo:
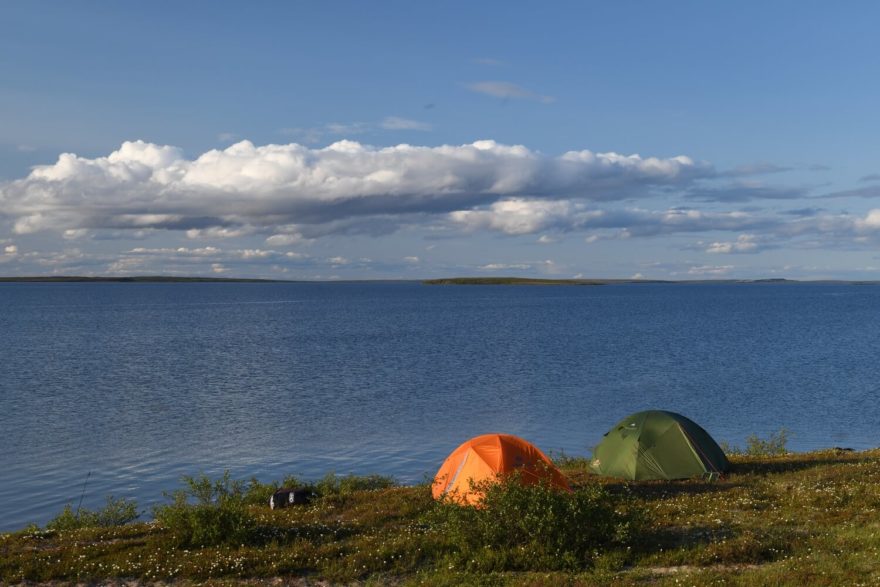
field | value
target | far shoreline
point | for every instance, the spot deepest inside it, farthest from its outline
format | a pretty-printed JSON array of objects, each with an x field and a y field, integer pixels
[{"x": 481, "y": 280}]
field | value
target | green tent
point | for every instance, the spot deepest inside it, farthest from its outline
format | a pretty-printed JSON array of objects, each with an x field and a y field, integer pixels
[{"x": 657, "y": 445}]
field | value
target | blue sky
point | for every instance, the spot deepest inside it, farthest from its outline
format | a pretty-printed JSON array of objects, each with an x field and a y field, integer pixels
[{"x": 265, "y": 139}]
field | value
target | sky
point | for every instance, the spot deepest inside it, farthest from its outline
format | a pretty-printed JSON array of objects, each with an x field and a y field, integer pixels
[{"x": 408, "y": 140}]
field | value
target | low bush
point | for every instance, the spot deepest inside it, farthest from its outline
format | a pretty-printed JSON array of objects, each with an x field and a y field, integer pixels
[
  {"x": 333, "y": 485},
  {"x": 774, "y": 445},
  {"x": 116, "y": 512},
  {"x": 207, "y": 513},
  {"x": 258, "y": 493},
  {"x": 533, "y": 527}
]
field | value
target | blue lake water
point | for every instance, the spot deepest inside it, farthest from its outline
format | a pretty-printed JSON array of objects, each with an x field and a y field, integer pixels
[{"x": 139, "y": 384}]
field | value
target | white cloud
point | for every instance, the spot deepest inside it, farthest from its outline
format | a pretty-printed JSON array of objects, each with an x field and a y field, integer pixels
[
  {"x": 218, "y": 232},
  {"x": 745, "y": 243},
  {"x": 75, "y": 233},
  {"x": 256, "y": 254},
  {"x": 180, "y": 251},
  {"x": 520, "y": 216},
  {"x": 218, "y": 268},
  {"x": 709, "y": 269},
  {"x": 125, "y": 265},
  {"x": 249, "y": 188},
  {"x": 283, "y": 240},
  {"x": 9, "y": 252},
  {"x": 412, "y": 259},
  {"x": 870, "y": 222},
  {"x": 504, "y": 266}
]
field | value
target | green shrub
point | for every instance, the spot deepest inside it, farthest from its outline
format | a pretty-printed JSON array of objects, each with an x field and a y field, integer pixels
[
  {"x": 258, "y": 493},
  {"x": 116, "y": 512},
  {"x": 566, "y": 461},
  {"x": 207, "y": 513},
  {"x": 774, "y": 445},
  {"x": 533, "y": 527},
  {"x": 333, "y": 485}
]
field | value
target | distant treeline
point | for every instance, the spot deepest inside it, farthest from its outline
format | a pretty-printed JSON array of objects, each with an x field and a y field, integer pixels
[
  {"x": 510, "y": 281},
  {"x": 133, "y": 279},
  {"x": 529, "y": 281}
]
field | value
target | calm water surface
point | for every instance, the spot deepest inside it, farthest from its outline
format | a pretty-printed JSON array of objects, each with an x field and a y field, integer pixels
[{"x": 142, "y": 383}]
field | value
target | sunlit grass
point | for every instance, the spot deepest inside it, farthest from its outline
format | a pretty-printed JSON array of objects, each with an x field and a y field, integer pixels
[{"x": 792, "y": 519}]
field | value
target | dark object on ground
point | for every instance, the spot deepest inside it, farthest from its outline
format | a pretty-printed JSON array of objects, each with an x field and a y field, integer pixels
[
  {"x": 288, "y": 496},
  {"x": 839, "y": 449}
]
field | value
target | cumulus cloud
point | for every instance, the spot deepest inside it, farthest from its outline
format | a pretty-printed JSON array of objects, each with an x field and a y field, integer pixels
[
  {"x": 183, "y": 251},
  {"x": 227, "y": 255},
  {"x": 249, "y": 188},
  {"x": 218, "y": 232},
  {"x": 745, "y": 243},
  {"x": 521, "y": 216},
  {"x": 8, "y": 252},
  {"x": 283, "y": 240},
  {"x": 508, "y": 91}
]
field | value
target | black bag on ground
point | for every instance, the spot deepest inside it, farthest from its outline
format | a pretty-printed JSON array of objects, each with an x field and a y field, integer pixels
[{"x": 287, "y": 496}]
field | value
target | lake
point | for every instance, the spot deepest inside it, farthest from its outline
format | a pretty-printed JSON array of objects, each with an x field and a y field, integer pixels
[{"x": 137, "y": 384}]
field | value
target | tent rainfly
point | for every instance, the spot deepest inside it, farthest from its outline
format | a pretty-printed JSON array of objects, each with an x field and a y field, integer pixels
[
  {"x": 488, "y": 457},
  {"x": 657, "y": 445}
]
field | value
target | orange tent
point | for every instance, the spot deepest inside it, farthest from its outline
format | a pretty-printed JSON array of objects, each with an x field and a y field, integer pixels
[{"x": 488, "y": 456}]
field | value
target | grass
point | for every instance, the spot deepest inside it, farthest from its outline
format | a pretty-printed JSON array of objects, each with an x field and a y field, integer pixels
[{"x": 786, "y": 519}]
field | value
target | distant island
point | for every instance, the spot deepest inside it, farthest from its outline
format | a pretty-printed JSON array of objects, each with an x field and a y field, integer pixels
[
  {"x": 437, "y": 281},
  {"x": 531, "y": 281},
  {"x": 514, "y": 281},
  {"x": 132, "y": 279}
]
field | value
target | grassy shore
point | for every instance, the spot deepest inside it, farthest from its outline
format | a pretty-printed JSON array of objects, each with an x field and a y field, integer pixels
[{"x": 797, "y": 519}]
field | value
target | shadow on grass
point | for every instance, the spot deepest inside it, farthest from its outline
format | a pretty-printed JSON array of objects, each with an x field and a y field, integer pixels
[
  {"x": 795, "y": 462},
  {"x": 653, "y": 490},
  {"x": 706, "y": 544}
]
